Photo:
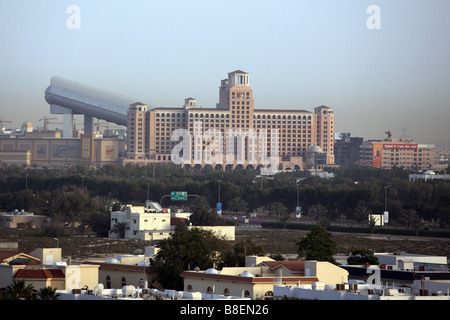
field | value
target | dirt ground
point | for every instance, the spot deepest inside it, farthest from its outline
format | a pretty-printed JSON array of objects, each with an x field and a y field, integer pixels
[
  {"x": 285, "y": 242},
  {"x": 273, "y": 241}
]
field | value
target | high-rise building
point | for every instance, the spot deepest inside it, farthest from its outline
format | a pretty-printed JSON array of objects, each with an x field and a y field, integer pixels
[
  {"x": 137, "y": 135},
  {"x": 346, "y": 149},
  {"x": 233, "y": 134}
]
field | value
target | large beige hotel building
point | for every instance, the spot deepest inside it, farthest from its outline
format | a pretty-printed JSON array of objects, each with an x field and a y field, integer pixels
[{"x": 304, "y": 138}]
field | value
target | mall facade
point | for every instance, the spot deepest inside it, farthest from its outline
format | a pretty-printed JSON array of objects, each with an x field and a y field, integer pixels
[
  {"x": 232, "y": 135},
  {"x": 397, "y": 153}
]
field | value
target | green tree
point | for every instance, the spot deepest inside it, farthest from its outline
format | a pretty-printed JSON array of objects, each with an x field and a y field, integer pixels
[
  {"x": 243, "y": 248},
  {"x": 205, "y": 216},
  {"x": 19, "y": 290},
  {"x": 116, "y": 206},
  {"x": 362, "y": 256},
  {"x": 411, "y": 218},
  {"x": 278, "y": 210},
  {"x": 184, "y": 250},
  {"x": 372, "y": 223},
  {"x": 320, "y": 213},
  {"x": 119, "y": 229},
  {"x": 317, "y": 245},
  {"x": 361, "y": 212},
  {"x": 48, "y": 293},
  {"x": 238, "y": 205},
  {"x": 99, "y": 222}
]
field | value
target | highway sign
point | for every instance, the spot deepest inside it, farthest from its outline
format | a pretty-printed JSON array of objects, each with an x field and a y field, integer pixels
[
  {"x": 219, "y": 208},
  {"x": 178, "y": 195}
]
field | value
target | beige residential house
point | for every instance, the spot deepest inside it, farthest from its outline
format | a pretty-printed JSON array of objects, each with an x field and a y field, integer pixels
[{"x": 256, "y": 282}]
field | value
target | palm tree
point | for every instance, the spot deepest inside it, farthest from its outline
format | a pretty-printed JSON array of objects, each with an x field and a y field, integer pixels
[
  {"x": 280, "y": 211},
  {"x": 238, "y": 205},
  {"x": 19, "y": 291},
  {"x": 48, "y": 293},
  {"x": 372, "y": 223},
  {"x": 119, "y": 229},
  {"x": 320, "y": 213},
  {"x": 362, "y": 212}
]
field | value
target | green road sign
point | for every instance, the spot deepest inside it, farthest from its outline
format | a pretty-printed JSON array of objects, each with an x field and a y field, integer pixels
[{"x": 178, "y": 195}]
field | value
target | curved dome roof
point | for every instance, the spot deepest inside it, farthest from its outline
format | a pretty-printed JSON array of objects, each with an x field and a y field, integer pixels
[
  {"x": 247, "y": 274},
  {"x": 212, "y": 271},
  {"x": 315, "y": 149},
  {"x": 112, "y": 260}
]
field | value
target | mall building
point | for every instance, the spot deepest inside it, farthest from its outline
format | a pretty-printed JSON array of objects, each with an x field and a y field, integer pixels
[
  {"x": 397, "y": 152},
  {"x": 233, "y": 134}
]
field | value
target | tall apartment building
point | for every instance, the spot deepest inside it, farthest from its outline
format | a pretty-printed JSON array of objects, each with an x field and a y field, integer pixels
[
  {"x": 397, "y": 152},
  {"x": 346, "y": 149},
  {"x": 137, "y": 135},
  {"x": 286, "y": 134}
]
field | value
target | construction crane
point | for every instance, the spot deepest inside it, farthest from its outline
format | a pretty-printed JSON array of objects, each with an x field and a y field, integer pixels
[
  {"x": 46, "y": 122},
  {"x": 100, "y": 123},
  {"x": 3, "y": 121},
  {"x": 105, "y": 133}
]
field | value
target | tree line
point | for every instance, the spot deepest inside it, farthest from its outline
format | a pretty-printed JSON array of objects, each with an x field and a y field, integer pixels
[{"x": 72, "y": 194}]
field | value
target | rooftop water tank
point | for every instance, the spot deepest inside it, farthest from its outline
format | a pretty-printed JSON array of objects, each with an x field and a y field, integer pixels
[
  {"x": 212, "y": 271},
  {"x": 247, "y": 274}
]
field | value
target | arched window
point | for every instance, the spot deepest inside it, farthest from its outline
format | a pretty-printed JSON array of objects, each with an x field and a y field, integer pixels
[
  {"x": 268, "y": 295},
  {"x": 246, "y": 294},
  {"x": 108, "y": 282},
  {"x": 124, "y": 281},
  {"x": 189, "y": 288},
  {"x": 209, "y": 290},
  {"x": 226, "y": 292}
]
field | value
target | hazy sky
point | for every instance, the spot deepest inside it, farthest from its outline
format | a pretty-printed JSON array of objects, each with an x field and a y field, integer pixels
[{"x": 300, "y": 54}]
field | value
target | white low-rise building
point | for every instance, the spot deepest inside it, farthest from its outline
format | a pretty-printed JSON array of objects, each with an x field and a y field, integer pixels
[
  {"x": 135, "y": 293},
  {"x": 407, "y": 261},
  {"x": 152, "y": 222},
  {"x": 149, "y": 222},
  {"x": 356, "y": 290}
]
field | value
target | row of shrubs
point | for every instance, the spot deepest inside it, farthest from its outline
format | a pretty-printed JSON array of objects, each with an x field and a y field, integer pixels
[{"x": 351, "y": 229}]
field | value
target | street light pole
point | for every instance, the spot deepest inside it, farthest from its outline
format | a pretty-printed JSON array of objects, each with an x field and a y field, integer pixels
[{"x": 385, "y": 197}]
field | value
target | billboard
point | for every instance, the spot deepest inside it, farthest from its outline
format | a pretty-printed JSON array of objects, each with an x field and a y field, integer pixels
[
  {"x": 376, "y": 153},
  {"x": 400, "y": 146}
]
